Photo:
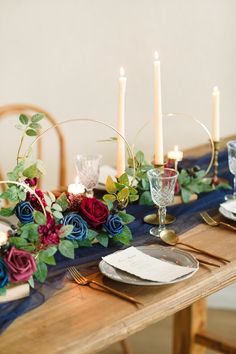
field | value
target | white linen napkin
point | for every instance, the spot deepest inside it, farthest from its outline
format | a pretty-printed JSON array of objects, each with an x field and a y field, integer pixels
[{"x": 134, "y": 261}]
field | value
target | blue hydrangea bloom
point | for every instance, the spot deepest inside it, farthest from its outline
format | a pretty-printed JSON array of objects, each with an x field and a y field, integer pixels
[
  {"x": 3, "y": 274},
  {"x": 80, "y": 229},
  {"x": 24, "y": 212},
  {"x": 114, "y": 225}
]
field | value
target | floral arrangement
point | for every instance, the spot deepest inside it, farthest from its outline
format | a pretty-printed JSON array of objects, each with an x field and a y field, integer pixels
[
  {"x": 190, "y": 181},
  {"x": 47, "y": 225}
]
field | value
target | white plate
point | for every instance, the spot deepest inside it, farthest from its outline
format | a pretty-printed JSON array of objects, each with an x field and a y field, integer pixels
[
  {"x": 227, "y": 214},
  {"x": 169, "y": 254}
]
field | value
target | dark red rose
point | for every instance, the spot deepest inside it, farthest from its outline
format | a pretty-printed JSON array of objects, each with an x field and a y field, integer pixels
[
  {"x": 21, "y": 265},
  {"x": 32, "y": 182},
  {"x": 34, "y": 201},
  {"x": 93, "y": 211},
  {"x": 50, "y": 233}
]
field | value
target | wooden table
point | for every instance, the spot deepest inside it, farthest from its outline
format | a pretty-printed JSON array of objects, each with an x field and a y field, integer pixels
[{"x": 79, "y": 320}]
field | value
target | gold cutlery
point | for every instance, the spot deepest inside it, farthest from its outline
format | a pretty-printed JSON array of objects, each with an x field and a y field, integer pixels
[
  {"x": 82, "y": 280},
  {"x": 212, "y": 222},
  {"x": 202, "y": 261},
  {"x": 169, "y": 237}
]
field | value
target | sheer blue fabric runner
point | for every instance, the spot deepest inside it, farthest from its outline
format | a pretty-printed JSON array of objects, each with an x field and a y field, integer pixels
[{"x": 187, "y": 217}]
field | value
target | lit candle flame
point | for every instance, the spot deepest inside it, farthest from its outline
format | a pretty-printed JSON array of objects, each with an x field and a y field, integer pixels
[
  {"x": 156, "y": 55},
  {"x": 215, "y": 89},
  {"x": 122, "y": 71}
]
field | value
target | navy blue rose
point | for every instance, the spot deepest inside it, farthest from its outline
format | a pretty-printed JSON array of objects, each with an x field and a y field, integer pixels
[
  {"x": 80, "y": 229},
  {"x": 114, "y": 225},
  {"x": 24, "y": 212},
  {"x": 3, "y": 274}
]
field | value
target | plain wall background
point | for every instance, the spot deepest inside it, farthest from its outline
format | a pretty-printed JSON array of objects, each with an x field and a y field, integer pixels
[{"x": 65, "y": 55}]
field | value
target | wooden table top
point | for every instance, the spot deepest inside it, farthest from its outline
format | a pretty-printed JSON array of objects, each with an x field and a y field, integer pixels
[{"x": 79, "y": 320}]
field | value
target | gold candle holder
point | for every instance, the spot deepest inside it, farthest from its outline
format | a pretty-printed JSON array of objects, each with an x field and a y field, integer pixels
[
  {"x": 153, "y": 219},
  {"x": 215, "y": 179}
]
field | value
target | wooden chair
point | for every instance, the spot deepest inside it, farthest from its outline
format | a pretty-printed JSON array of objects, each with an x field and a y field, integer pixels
[{"x": 30, "y": 109}]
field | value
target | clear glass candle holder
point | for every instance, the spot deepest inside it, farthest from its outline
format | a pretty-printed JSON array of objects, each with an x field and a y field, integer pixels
[{"x": 162, "y": 186}]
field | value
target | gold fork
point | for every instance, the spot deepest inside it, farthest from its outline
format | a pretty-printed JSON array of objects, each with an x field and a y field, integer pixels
[
  {"x": 82, "y": 280},
  {"x": 212, "y": 222}
]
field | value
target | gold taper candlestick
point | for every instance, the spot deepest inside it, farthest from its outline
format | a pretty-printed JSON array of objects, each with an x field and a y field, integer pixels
[{"x": 215, "y": 179}]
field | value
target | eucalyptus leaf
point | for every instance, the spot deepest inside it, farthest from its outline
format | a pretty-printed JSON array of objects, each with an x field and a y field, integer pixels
[
  {"x": 31, "y": 282},
  {"x": 52, "y": 197},
  {"x": 32, "y": 171},
  {"x": 37, "y": 117},
  {"x": 57, "y": 207},
  {"x": 35, "y": 126},
  {"x": 123, "y": 194},
  {"x": 23, "y": 119},
  {"x": 31, "y": 132}
]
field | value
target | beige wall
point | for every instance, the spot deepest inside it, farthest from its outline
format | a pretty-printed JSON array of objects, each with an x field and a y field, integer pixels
[{"x": 65, "y": 56}]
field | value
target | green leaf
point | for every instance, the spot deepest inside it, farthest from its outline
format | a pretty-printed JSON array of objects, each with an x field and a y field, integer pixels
[
  {"x": 85, "y": 243},
  {"x": 223, "y": 186},
  {"x": 7, "y": 211},
  {"x": 66, "y": 248},
  {"x": 125, "y": 237},
  {"x": 52, "y": 197},
  {"x": 31, "y": 282},
  {"x": 140, "y": 157},
  {"x": 146, "y": 198},
  {"x": 123, "y": 194},
  {"x": 37, "y": 117},
  {"x": 124, "y": 179},
  {"x": 57, "y": 207},
  {"x": 62, "y": 201},
  {"x": 185, "y": 195},
  {"x": 50, "y": 260},
  {"x": 103, "y": 239},
  {"x": 145, "y": 184},
  {"x": 21, "y": 194},
  {"x": 126, "y": 218},
  {"x": 35, "y": 126},
  {"x": 40, "y": 218},
  {"x": 32, "y": 171},
  {"x": 133, "y": 198},
  {"x": 58, "y": 215},
  {"x": 19, "y": 242},
  {"x": 91, "y": 235},
  {"x": 47, "y": 200},
  {"x": 33, "y": 233},
  {"x": 41, "y": 272},
  {"x": 11, "y": 194},
  {"x": 66, "y": 230},
  {"x": 110, "y": 185},
  {"x": 3, "y": 291},
  {"x": 109, "y": 198},
  {"x": 23, "y": 119},
  {"x": 31, "y": 132},
  {"x": 19, "y": 127}
]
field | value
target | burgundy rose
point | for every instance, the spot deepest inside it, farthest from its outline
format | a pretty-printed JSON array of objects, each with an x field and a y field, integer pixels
[
  {"x": 94, "y": 211},
  {"x": 21, "y": 265},
  {"x": 34, "y": 201},
  {"x": 32, "y": 182},
  {"x": 50, "y": 233}
]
